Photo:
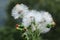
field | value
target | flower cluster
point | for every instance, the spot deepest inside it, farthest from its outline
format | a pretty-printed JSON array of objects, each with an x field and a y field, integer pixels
[{"x": 42, "y": 18}]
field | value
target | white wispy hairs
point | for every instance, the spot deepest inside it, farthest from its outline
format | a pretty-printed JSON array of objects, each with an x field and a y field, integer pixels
[
  {"x": 42, "y": 18},
  {"x": 18, "y": 9}
]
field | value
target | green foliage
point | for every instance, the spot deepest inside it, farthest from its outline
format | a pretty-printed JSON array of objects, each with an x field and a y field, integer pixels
[{"x": 33, "y": 35}]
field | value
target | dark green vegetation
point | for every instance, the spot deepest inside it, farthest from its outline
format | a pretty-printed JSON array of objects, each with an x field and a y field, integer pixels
[{"x": 52, "y": 6}]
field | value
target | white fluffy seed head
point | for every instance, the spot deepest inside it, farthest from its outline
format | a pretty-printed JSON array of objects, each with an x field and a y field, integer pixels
[
  {"x": 18, "y": 10},
  {"x": 41, "y": 18}
]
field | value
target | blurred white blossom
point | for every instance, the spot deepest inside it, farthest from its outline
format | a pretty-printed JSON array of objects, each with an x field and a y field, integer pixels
[
  {"x": 18, "y": 10},
  {"x": 42, "y": 18}
]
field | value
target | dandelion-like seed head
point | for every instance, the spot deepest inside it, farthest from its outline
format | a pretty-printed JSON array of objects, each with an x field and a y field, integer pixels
[{"x": 19, "y": 10}]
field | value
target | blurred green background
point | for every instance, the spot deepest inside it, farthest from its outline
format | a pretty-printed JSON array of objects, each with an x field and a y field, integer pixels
[{"x": 8, "y": 31}]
